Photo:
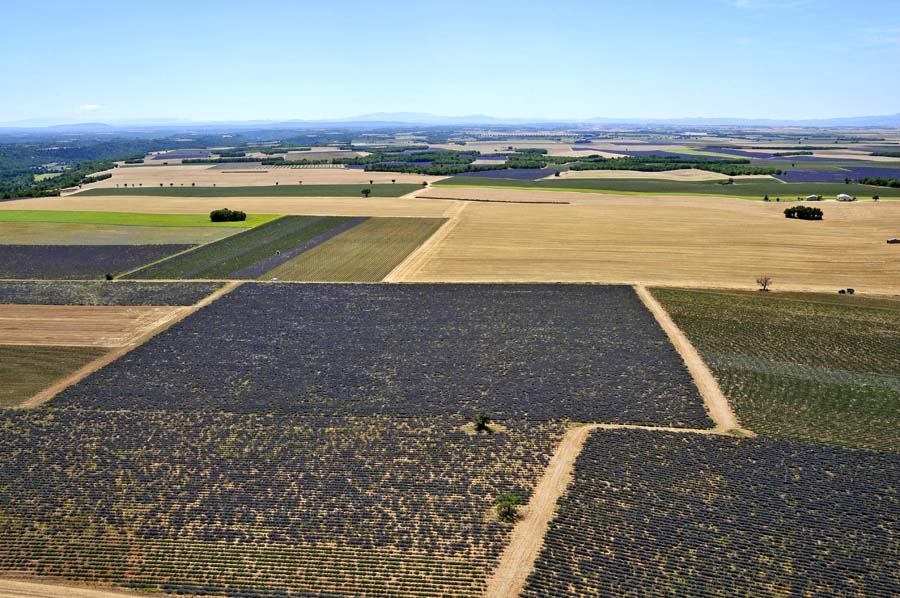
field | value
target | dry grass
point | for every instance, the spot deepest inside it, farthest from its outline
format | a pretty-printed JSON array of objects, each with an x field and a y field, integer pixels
[
  {"x": 313, "y": 206},
  {"x": 686, "y": 241},
  {"x": 57, "y": 233},
  {"x": 205, "y": 176},
  {"x": 79, "y": 325}
]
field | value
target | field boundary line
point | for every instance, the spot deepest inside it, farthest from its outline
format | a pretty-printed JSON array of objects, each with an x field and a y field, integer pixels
[
  {"x": 527, "y": 539},
  {"x": 716, "y": 403},
  {"x": 104, "y": 360},
  {"x": 416, "y": 260}
]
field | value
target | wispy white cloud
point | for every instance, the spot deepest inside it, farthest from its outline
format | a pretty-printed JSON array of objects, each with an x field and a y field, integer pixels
[{"x": 90, "y": 107}]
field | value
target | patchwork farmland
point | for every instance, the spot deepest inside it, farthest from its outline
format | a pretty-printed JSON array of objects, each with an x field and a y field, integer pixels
[{"x": 458, "y": 383}]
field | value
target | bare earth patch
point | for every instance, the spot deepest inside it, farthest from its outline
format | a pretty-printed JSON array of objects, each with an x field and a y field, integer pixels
[{"x": 79, "y": 325}]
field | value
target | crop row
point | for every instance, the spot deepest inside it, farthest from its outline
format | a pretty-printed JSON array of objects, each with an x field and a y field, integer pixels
[
  {"x": 156, "y": 498},
  {"x": 367, "y": 253},
  {"x": 78, "y": 261},
  {"x": 820, "y": 368},
  {"x": 239, "y": 255},
  {"x": 652, "y": 514},
  {"x": 584, "y": 352},
  {"x": 35, "y": 292}
]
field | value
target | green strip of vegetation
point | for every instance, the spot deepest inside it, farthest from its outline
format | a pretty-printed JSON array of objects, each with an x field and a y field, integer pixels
[
  {"x": 379, "y": 190},
  {"x": 742, "y": 188},
  {"x": 365, "y": 253},
  {"x": 226, "y": 258},
  {"x": 128, "y": 218},
  {"x": 809, "y": 367}
]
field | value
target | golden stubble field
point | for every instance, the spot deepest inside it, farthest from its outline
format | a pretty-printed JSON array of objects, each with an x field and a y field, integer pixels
[
  {"x": 204, "y": 175},
  {"x": 684, "y": 241},
  {"x": 312, "y": 206}
]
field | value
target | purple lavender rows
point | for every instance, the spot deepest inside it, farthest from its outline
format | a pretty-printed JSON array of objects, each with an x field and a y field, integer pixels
[
  {"x": 78, "y": 261},
  {"x": 837, "y": 176},
  {"x": 539, "y": 352},
  {"x": 523, "y": 174},
  {"x": 97, "y": 292}
]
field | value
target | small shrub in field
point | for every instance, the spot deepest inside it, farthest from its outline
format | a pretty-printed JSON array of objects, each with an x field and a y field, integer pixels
[
  {"x": 481, "y": 421},
  {"x": 508, "y": 507},
  {"x": 366, "y": 193},
  {"x": 226, "y": 215}
]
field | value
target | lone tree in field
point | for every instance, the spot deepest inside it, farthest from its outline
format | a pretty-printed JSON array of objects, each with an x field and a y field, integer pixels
[
  {"x": 393, "y": 180},
  {"x": 424, "y": 183},
  {"x": 764, "y": 282},
  {"x": 508, "y": 507},
  {"x": 366, "y": 193},
  {"x": 481, "y": 421}
]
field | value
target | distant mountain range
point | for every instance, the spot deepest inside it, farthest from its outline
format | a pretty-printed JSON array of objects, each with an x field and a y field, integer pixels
[{"x": 425, "y": 119}]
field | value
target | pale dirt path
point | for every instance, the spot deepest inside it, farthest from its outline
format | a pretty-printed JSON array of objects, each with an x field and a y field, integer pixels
[
  {"x": 418, "y": 258},
  {"x": 527, "y": 538},
  {"x": 25, "y": 589},
  {"x": 716, "y": 403},
  {"x": 161, "y": 325}
]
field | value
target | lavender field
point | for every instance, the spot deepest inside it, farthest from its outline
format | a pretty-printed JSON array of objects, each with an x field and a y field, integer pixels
[
  {"x": 78, "y": 261},
  {"x": 539, "y": 352},
  {"x": 837, "y": 176}
]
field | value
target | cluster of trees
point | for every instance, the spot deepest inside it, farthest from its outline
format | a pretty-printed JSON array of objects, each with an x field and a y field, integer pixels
[
  {"x": 798, "y": 153},
  {"x": 880, "y": 182},
  {"x": 803, "y": 213},
  {"x": 736, "y": 167},
  {"x": 888, "y": 154},
  {"x": 226, "y": 215}
]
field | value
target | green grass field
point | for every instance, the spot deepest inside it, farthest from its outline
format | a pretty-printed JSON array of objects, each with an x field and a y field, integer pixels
[
  {"x": 366, "y": 253},
  {"x": 128, "y": 218},
  {"x": 26, "y": 370},
  {"x": 810, "y": 367},
  {"x": 46, "y": 175},
  {"x": 382, "y": 190},
  {"x": 744, "y": 188}
]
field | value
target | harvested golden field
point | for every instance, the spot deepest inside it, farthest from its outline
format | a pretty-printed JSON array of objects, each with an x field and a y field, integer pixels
[
  {"x": 80, "y": 325},
  {"x": 204, "y": 175},
  {"x": 65, "y": 233},
  {"x": 685, "y": 241},
  {"x": 313, "y": 206},
  {"x": 26, "y": 370}
]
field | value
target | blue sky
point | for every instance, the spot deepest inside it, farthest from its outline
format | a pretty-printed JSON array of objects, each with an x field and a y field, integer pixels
[{"x": 239, "y": 60}]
